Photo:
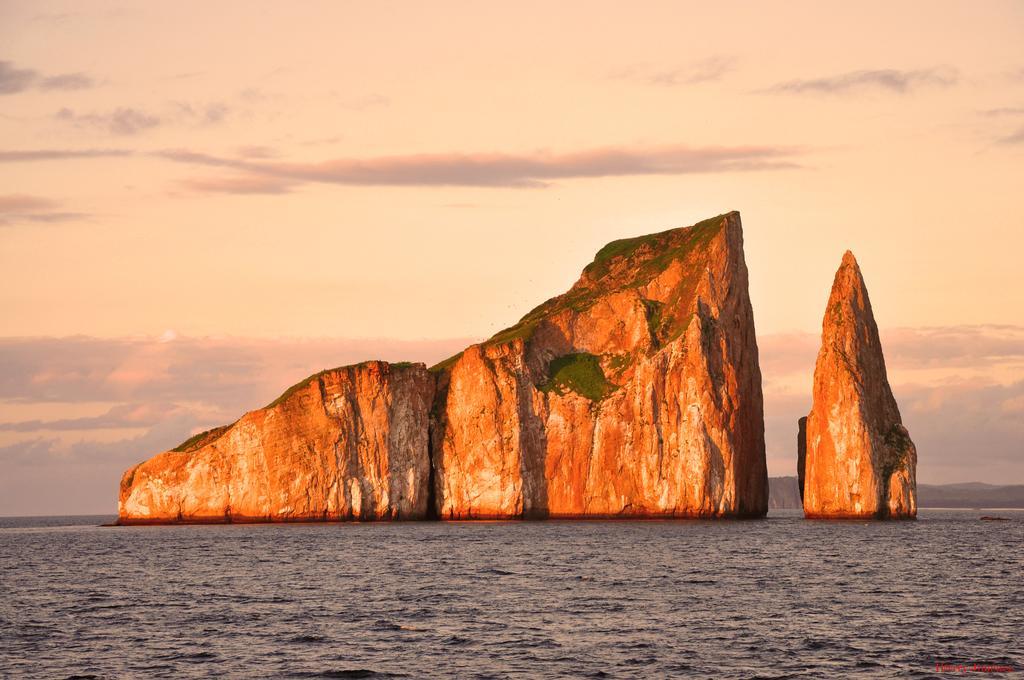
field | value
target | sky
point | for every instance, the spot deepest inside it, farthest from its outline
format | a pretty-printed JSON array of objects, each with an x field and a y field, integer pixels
[{"x": 201, "y": 203}]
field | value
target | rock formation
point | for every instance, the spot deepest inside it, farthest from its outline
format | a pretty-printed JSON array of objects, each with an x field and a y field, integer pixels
[
  {"x": 859, "y": 460},
  {"x": 637, "y": 393},
  {"x": 349, "y": 443}
]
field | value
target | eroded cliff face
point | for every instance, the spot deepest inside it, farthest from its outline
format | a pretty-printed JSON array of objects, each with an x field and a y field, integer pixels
[
  {"x": 349, "y": 443},
  {"x": 635, "y": 394},
  {"x": 859, "y": 461}
]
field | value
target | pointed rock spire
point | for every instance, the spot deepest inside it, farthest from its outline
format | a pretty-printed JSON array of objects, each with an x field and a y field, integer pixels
[{"x": 858, "y": 459}]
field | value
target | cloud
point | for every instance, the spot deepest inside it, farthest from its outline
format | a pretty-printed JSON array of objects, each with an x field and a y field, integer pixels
[
  {"x": 52, "y": 476},
  {"x": 706, "y": 70},
  {"x": 244, "y": 184},
  {"x": 117, "y": 417},
  {"x": 67, "y": 81},
  {"x": 501, "y": 170},
  {"x": 257, "y": 170},
  {"x": 14, "y": 80},
  {"x": 1012, "y": 139},
  {"x": 59, "y": 154},
  {"x": 120, "y": 121},
  {"x": 891, "y": 80},
  {"x": 22, "y": 208},
  {"x": 257, "y": 151},
  {"x": 919, "y": 348},
  {"x": 22, "y": 202},
  {"x": 953, "y": 346},
  {"x": 232, "y": 373},
  {"x": 206, "y": 114},
  {"x": 1004, "y": 111}
]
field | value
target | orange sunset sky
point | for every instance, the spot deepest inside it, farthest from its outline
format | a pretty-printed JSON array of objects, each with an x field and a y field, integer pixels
[{"x": 201, "y": 203}]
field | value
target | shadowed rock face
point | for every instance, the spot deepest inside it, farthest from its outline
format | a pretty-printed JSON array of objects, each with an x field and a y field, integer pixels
[
  {"x": 801, "y": 454},
  {"x": 349, "y": 443},
  {"x": 635, "y": 394},
  {"x": 859, "y": 460}
]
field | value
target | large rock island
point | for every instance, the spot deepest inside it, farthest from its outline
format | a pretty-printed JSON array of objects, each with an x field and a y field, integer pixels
[
  {"x": 637, "y": 393},
  {"x": 855, "y": 457}
]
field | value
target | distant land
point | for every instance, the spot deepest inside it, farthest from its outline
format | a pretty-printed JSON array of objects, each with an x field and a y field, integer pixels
[{"x": 784, "y": 494}]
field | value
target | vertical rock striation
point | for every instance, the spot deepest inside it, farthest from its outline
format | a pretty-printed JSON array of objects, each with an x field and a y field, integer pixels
[
  {"x": 348, "y": 443},
  {"x": 635, "y": 394},
  {"x": 859, "y": 460}
]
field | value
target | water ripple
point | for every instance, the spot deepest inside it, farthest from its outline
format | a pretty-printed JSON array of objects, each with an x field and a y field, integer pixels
[{"x": 781, "y": 598}]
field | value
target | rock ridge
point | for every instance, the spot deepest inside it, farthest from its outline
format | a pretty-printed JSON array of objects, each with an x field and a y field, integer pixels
[{"x": 637, "y": 393}]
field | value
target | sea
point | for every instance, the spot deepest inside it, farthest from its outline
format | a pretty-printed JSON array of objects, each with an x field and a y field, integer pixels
[{"x": 780, "y": 597}]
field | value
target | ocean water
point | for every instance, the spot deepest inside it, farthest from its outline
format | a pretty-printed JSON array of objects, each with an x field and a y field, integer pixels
[{"x": 774, "y": 598}]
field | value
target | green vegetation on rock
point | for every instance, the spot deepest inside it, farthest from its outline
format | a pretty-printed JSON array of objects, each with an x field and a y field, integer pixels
[
  {"x": 446, "y": 364},
  {"x": 199, "y": 440},
  {"x": 620, "y": 362},
  {"x": 659, "y": 251},
  {"x": 661, "y": 243},
  {"x": 654, "y": 310},
  {"x": 580, "y": 373},
  {"x": 296, "y": 387},
  {"x": 316, "y": 376}
]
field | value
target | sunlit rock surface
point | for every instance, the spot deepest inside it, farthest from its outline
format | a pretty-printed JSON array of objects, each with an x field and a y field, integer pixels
[
  {"x": 349, "y": 443},
  {"x": 635, "y": 394},
  {"x": 859, "y": 461}
]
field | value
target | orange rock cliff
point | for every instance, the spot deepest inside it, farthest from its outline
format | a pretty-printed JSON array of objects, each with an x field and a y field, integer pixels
[
  {"x": 856, "y": 459},
  {"x": 637, "y": 393}
]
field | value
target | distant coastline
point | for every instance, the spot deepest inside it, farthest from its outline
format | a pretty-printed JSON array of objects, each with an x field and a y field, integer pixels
[{"x": 784, "y": 494}]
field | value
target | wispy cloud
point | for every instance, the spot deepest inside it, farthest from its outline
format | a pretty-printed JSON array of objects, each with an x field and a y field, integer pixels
[
  {"x": 491, "y": 169},
  {"x": 1004, "y": 111},
  {"x": 1012, "y": 139},
  {"x": 30, "y": 155},
  {"x": 67, "y": 81},
  {"x": 703, "y": 71},
  {"x": 23, "y": 209},
  {"x": 201, "y": 114},
  {"x": 891, "y": 80},
  {"x": 120, "y": 416},
  {"x": 14, "y": 80},
  {"x": 257, "y": 151},
  {"x": 233, "y": 373},
  {"x": 121, "y": 121},
  {"x": 258, "y": 170},
  {"x": 244, "y": 184}
]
